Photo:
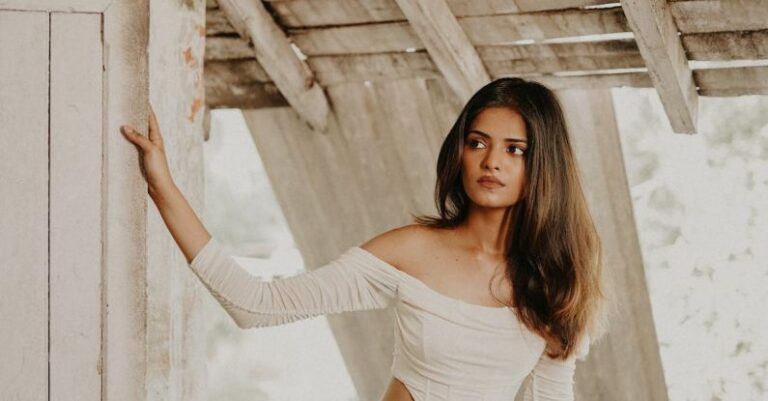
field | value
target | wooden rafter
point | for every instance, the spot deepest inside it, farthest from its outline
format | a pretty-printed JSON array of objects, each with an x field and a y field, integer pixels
[
  {"x": 447, "y": 44},
  {"x": 274, "y": 52},
  {"x": 657, "y": 38}
]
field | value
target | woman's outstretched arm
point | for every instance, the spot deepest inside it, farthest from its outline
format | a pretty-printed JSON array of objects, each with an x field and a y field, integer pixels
[
  {"x": 355, "y": 280},
  {"x": 185, "y": 227}
]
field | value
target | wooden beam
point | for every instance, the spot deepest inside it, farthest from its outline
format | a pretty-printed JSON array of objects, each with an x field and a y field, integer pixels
[
  {"x": 720, "y": 15},
  {"x": 274, "y": 52},
  {"x": 216, "y": 23},
  {"x": 595, "y": 81},
  {"x": 240, "y": 84},
  {"x": 733, "y": 81},
  {"x": 749, "y": 45},
  {"x": 485, "y": 30},
  {"x": 447, "y": 44},
  {"x": 227, "y": 48},
  {"x": 318, "y": 13},
  {"x": 656, "y": 36},
  {"x": 331, "y": 70}
]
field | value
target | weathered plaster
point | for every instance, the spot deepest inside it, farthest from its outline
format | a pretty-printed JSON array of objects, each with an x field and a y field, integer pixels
[{"x": 176, "y": 349}]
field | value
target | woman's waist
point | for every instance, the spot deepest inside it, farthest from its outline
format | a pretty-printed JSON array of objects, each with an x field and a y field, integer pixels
[{"x": 457, "y": 383}]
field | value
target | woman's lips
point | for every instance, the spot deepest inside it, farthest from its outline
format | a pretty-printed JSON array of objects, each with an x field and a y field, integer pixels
[{"x": 489, "y": 184}]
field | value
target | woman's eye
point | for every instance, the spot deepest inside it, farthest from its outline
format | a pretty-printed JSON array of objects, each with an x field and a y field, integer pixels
[
  {"x": 472, "y": 143},
  {"x": 517, "y": 150}
]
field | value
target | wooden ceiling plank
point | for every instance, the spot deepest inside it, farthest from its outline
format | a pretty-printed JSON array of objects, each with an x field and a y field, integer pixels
[
  {"x": 466, "y": 8},
  {"x": 544, "y": 50},
  {"x": 716, "y": 46},
  {"x": 357, "y": 39},
  {"x": 274, "y": 52},
  {"x": 447, "y": 44},
  {"x": 216, "y": 23},
  {"x": 239, "y": 84},
  {"x": 228, "y": 48},
  {"x": 332, "y": 70},
  {"x": 658, "y": 41},
  {"x": 487, "y": 30},
  {"x": 314, "y": 13},
  {"x": 595, "y": 81},
  {"x": 734, "y": 81},
  {"x": 505, "y": 28},
  {"x": 548, "y": 65},
  {"x": 317, "y": 13},
  {"x": 700, "y": 16}
]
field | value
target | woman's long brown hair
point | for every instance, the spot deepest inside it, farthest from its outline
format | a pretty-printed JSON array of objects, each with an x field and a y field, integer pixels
[{"x": 554, "y": 256}]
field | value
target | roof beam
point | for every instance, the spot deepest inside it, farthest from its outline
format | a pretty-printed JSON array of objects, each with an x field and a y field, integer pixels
[
  {"x": 447, "y": 44},
  {"x": 273, "y": 50},
  {"x": 657, "y": 38}
]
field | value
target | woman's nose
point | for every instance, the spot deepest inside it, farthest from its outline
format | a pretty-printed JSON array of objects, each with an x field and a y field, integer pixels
[{"x": 492, "y": 160}]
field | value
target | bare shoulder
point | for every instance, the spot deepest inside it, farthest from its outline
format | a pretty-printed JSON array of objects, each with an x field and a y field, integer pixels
[{"x": 400, "y": 245}]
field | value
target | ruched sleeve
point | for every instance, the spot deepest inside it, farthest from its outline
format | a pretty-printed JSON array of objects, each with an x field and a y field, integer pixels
[
  {"x": 552, "y": 379},
  {"x": 353, "y": 281}
]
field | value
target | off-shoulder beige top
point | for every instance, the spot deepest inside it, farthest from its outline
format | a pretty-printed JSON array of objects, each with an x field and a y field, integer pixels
[{"x": 445, "y": 349}]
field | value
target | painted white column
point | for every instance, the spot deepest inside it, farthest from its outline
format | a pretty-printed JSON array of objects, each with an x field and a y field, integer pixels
[{"x": 96, "y": 301}]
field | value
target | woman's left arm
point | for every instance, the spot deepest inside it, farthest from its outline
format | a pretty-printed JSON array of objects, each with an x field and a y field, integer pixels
[{"x": 552, "y": 379}]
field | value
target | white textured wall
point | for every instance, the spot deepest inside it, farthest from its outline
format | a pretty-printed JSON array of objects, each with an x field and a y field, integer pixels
[
  {"x": 23, "y": 205},
  {"x": 176, "y": 348},
  {"x": 96, "y": 301}
]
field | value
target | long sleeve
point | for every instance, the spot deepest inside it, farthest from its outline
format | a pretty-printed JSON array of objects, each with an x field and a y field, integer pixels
[
  {"x": 552, "y": 379},
  {"x": 352, "y": 281}
]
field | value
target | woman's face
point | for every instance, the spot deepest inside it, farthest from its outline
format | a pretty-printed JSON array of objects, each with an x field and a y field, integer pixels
[{"x": 495, "y": 145}]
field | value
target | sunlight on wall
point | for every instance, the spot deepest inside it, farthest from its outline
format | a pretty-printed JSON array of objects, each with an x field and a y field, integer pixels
[{"x": 298, "y": 361}]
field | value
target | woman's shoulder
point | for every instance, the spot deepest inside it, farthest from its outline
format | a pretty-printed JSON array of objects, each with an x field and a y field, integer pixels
[{"x": 401, "y": 245}]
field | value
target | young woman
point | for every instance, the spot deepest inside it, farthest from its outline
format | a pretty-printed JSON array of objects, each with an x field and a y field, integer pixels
[{"x": 504, "y": 284}]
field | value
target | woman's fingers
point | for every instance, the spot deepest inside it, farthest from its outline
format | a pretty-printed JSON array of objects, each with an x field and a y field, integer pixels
[
  {"x": 136, "y": 138},
  {"x": 154, "y": 128}
]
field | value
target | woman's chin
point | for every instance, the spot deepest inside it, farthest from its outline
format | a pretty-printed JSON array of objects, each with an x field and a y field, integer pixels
[{"x": 484, "y": 202}]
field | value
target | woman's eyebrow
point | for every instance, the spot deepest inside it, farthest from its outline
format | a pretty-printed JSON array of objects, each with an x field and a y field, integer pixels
[{"x": 481, "y": 133}]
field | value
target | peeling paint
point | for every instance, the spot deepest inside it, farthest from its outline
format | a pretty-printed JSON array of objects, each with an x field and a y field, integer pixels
[
  {"x": 175, "y": 348},
  {"x": 192, "y": 40},
  {"x": 188, "y": 57},
  {"x": 200, "y": 30},
  {"x": 197, "y": 104}
]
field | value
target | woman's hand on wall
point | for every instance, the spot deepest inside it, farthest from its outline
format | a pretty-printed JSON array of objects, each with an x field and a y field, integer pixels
[
  {"x": 182, "y": 221},
  {"x": 155, "y": 164}
]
